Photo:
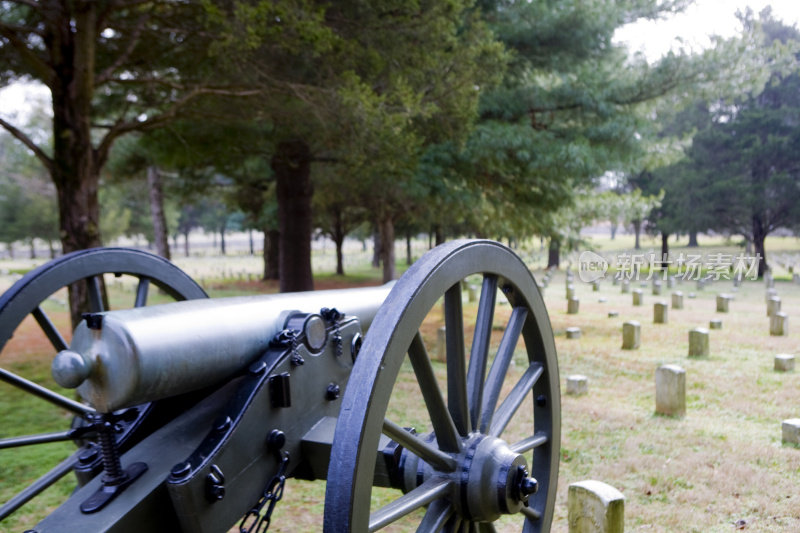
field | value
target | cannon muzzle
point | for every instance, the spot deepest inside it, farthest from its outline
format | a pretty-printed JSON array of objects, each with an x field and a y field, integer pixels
[{"x": 123, "y": 358}]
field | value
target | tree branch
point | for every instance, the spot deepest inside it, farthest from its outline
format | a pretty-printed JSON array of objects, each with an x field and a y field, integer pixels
[
  {"x": 43, "y": 71},
  {"x": 24, "y": 139},
  {"x": 122, "y": 127},
  {"x": 123, "y": 57}
]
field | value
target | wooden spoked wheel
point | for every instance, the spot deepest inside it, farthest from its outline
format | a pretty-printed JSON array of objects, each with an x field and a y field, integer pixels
[
  {"x": 483, "y": 454},
  {"x": 28, "y": 296}
]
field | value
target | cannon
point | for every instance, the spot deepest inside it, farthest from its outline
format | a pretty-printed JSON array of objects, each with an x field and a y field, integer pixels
[{"x": 191, "y": 415}]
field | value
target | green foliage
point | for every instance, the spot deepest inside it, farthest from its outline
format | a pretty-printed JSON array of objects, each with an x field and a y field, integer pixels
[{"x": 745, "y": 157}]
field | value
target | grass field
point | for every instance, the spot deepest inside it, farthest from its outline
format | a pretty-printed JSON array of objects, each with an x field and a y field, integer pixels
[{"x": 720, "y": 468}]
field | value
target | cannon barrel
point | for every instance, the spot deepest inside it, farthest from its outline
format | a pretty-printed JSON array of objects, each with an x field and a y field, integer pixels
[{"x": 123, "y": 358}]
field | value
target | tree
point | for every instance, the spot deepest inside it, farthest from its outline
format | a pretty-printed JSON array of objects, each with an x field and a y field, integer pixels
[
  {"x": 746, "y": 158},
  {"x": 112, "y": 68},
  {"x": 363, "y": 86}
]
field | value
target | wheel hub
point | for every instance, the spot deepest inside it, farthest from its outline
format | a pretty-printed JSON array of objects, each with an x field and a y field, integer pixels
[{"x": 490, "y": 479}]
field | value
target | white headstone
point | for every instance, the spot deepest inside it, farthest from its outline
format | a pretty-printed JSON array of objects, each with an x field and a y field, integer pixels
[
  {"x": 577, "y": 384},
  {"x": 631, "y": 335},
  {"x": 671, "y": 390},
  {"x": 698, "y": 342},
  {"x": 595, "y": 507}
]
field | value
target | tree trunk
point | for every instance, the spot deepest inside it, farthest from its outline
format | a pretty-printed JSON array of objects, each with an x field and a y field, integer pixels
[
  {"x": 664, "y": 263},
  {"x": 186, "y": 243},
  {"x": 377, "y": 248},
  {"x": 387, "y": 250},
  {"x": 338, "y": 240},
  {"x": 554, "y": 254},
  {"x": 222, "y": 248},
  {"x": 613, "y": 231},
  {"x": 160, "y": 233},
  {"x": 250, "y": 240},
  {"x": 33, "y": 249},
  {"x": 637, "y": 230},
  {"x": 439, "y": 235},
  {"x": 52, "y": 249},
  {"x": 409, "y": 257},
  {"x": 292, "y": 166},
  {"x": 759, "y": 234},
  {"x": 692, "y": 239},
  {"x": 271, "y": 254}
]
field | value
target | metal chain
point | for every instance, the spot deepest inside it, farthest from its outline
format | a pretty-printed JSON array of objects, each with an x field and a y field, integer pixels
[{"x": 272, "y": 494}]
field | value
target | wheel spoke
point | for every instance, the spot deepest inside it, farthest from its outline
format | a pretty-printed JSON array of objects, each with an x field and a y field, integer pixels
[
  {"x": 27, "y": 440},
  {"x": 437, "y": 515},
  {"x": 443, "y": 425},
  {"x": 480, "y": 346},
  {"x": 526, "y": 445},
  {"x": 515, "y": 398},
  {"x": 497, "y": 374},
  {"x": 531, "y": 514},
  {"x": 433, "y": 489},
  {"x": 457, "y": 401},
  {"x": 141, "y": 292},
  {"x": 95, "y": 294},
  {"x": 49, "y": 329},
  {"x": 30, "y": 492},
  {"x": 486, "y": 527},
  {"x": 425, "y": 451},
  {"x": 45, "y": 394}
]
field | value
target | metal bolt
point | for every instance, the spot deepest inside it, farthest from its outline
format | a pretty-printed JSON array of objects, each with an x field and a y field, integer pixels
[
  {"x": 276, "y": 440},
  {"x": 215, "y": 484},
  {"x": 526, "y": 485},
  {"x": 89, "y": 454},
  {"x": 333, "y": 391},
  {"x": 541, "y": 400},
  {"x": 181, "y": 470}
]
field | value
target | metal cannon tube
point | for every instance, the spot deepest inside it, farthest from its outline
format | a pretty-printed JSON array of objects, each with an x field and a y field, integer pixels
[{"x": 123, "y": 358}]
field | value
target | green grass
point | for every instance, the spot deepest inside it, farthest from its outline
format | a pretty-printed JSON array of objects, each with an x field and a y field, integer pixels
[{"x": 721, "y": 463}]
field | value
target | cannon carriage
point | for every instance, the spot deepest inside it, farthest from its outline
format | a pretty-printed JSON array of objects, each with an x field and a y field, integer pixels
[{"x": 192, "y": 415}]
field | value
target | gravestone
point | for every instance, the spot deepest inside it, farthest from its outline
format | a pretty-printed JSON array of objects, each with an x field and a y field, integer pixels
[
  {"x": 631, "y": 335},
  {"x": 779, "y": 324},
  {"x": 791, "y": 431},
  {"x": 572, "y": 306},
  {"x": 595, "y": 286},
  {"x": 784, "y": 362},
  {"x": 570, "y": 291},
  {"x": 698, "y": 342},
  {"x": 613, "y": 314},
  {"x": 577, "y": 384},
  {"x": 595, "y": 507},
  {"x": 671, "y": 282},
  {"x": 773, "y": 305},
  {"x": 723, "y": 302},
  {"x": 656, "y": 288},
  {"x": 660, "y": 312},
  {"x": 671, "y": 390},
  {"x": 625, "y": 287},
  {"x": 472, "y": 292},
  {"x": 677, "y": 300},
  {"x": 441, "y": 344},
  {"x": 573, "y": 333},
  {"x": 715, "y": 323},
  {"x": 769, "y": 294},
  {"x": 638, "y": 297}
]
